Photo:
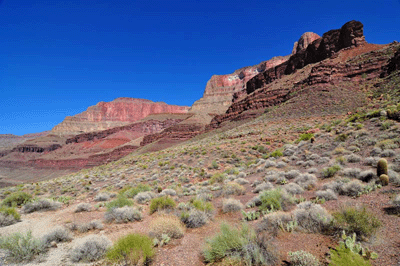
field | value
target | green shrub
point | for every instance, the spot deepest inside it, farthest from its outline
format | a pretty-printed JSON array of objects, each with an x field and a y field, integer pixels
[
  {"x": 243, "y": 243},
  {"x": 10, "y": 211},
  {"x": 276, "y": 153},
  {"x": 202, "y": 205},
  {"x": 382, "y": 167},
  {"x": 305, "y": 137},
  {"x": 161, "y": 203},
  {"x": 217, "y": 178},
  {"x": 356, "y": 220},
  {"x": 271, "y": 200},
  {"x": 132, "y": 192},
  {"x": 131, "y": 250},
  {"x": 22, "y": 247},
  {"x": 119, "y": 202},
  {"x": 16, "y": 199},
  {"x": 342, "y": 256},
  {"x": 330, "y": 171},
  {"x": 303, "y": 258}
]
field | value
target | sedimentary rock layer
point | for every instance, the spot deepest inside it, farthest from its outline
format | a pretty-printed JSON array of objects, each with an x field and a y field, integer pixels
[{"x": 105, "y": 115}]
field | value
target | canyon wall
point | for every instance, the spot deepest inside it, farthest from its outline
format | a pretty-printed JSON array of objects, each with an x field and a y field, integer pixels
[{"x": 105, "y": 115}]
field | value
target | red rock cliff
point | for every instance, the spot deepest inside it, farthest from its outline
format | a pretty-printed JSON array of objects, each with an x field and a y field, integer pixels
[{"x": 119, "y": 112}]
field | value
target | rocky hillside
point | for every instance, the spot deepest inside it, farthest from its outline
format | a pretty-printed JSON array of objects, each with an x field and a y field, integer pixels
[{"x": 121, "y": 111}]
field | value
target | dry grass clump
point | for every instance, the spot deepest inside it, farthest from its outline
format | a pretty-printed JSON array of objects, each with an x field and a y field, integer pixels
[
  {"x": 303, "y": 258},
  {"x": 241, "y": 181},
  {"x": 85, "y": 227},
  {"x": 274, "y": 221},
  {"x": 351, "y": 172},
  {"x": 90, "y": 248},
  {"x": 233, "y": 188},
  {"x": 166, "y": 224},
  {"x": 293, "y": 188},
  {"x": 231, "y": 205},
  {"x": 312, "y": 217},
  {"x": 41, "y": 205},
  {"x": 83, "y": 207},
  {"x": 57, "y": 234},
  {"x": 306, "y": 181},
  {"x": 8, "y": 216},
  {"x": 194, "y": 218},
  {"x": 102, "y": 197},
  {"x": 143, "y": 197},
  {"x": 123, "y": 215},
  {"x": 292, "y": 174},
  {"x": 263, "y": 186},
  {"x": 168, "y": 192},
  {"x": 328, "y": 194}
]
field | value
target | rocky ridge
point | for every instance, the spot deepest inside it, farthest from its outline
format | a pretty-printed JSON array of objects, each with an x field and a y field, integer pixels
[{"x": 119, "y": 112}]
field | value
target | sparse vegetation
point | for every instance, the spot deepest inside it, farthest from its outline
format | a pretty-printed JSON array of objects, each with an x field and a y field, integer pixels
[
  {"x": 132, "y": 249},
  {"x": 162, "y": 203},
  {"x": 22, "y": 247},
  {"x": 90, "y": 248},
  {"x": 239, "y": 243}
]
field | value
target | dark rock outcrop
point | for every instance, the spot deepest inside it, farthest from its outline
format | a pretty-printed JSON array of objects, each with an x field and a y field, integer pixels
[{"x": 394, "y": 63}]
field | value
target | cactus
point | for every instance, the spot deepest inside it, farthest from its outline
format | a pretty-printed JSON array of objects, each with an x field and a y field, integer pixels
[
  {"x": 384, "y": 179},
  {"x": 382, "y": 168}
]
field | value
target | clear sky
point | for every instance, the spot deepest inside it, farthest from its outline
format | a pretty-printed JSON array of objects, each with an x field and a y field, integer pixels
[{"x": 58, "y": 57}]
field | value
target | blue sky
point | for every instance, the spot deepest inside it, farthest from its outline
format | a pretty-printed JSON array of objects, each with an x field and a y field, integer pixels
[{"x": 58, "y": 57}]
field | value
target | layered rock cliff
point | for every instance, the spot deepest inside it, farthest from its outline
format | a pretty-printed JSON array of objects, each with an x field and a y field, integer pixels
[
  {"x": 222, "y": 90},
  {"x": 105, "y": 115}
]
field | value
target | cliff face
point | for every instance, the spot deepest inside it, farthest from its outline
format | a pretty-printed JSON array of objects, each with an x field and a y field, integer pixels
[
  {"x": 222, "y": 90},
  {"x": 119, "y": 112},
  {"x": 305, "y": 40}
]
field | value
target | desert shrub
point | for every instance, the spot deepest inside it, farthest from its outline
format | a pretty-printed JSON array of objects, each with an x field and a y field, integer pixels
[
  {"x": 276, "y": 153},
  {"x": 343, "y": 256},
  {"x": 16, "y": 199},
  {"x": 255, "y": 201},
  {"x": 58, "y": 234},
  {"x": 8, "y": 216},
  {"x": 83, "y": 207},
  {"x": 22, "y": 247},
  {"x": 371, "y": 161},
  {"x": 305, "y": 137},
  {"x": 162, "y": 203},
  {"x": 132, "y": 249},
  {"x": 388, "y": 153},
  {"x": 276, "y": 199},
  {"x": 123, "y": 215},
  {"x": 356, "y": 220},
  {"x": 303, "y": 258},
  {"x": 274, "y": 221},
  {"x": 41, "y": 205},
  {"x": 351, "y": 172},
  {"x": 353, "y": 188},
  {"x": 242, "y": 243},
  {"x": 143, "y": 197},
  {"x": 168, "y": 192},
  {"x": 292, "y": 174},
  {"x": 312, "y": 217},
  {"x": 119, "y": 202},
  {"x": 102, "y": 197},
  {"x": 166, "y": 224},
  {"x": 231, "y": 205},
  {"x": 396, "y": 200},
  {"x": 217, "y": 178},
  {"x": 263, "y": 186},
  {"x": 293, "y": 188},
  {"x": 269, "y": 163},
  {"x": 132, "y": 192},
  {"x": 84, "y": 227},
  {"x": 366, "y": 175},
  {"x": 201, "y": 205},
  {"x": 306, "y": 181},
  {"x": 241, "y": 181},
  {"x": 233, "y": 189},
  {"x": 328, "y": 194},
  {"x": 353, "y": 158},
  {"x": 330, "y": 171},
  {"x": 90, "y": 248},
  {"x": 194, "y": 218}
]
